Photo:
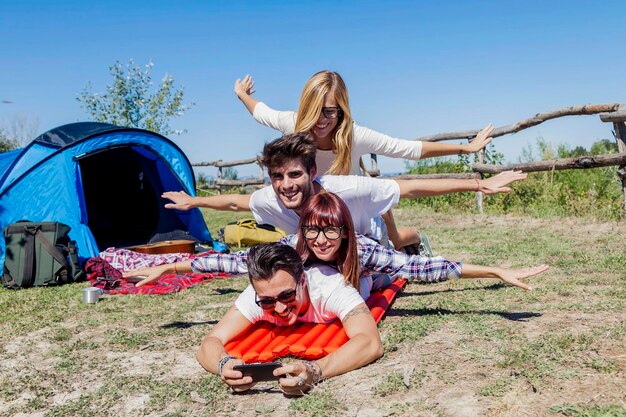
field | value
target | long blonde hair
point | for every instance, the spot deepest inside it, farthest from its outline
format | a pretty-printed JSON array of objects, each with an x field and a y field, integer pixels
[{"x": 310, "y": 108}]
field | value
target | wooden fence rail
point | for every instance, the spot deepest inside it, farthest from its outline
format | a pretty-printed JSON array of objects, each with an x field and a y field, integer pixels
[
  {"x": 525, "y": 124},
  {"x": 609, "y": 113},
  {"x": 221, "y": 182},
  {"x": 581, "y": 162}
]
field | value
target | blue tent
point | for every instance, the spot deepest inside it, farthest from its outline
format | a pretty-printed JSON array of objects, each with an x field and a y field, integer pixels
[{"x": 104, "y": 181}]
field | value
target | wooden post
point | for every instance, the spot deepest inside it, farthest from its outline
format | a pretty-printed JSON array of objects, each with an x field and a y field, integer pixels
[
  {"x": 618, "y": 118},
  {"x": 373, "y": 172},
  {"x": 219, "y": 177},
  {"x": 261, "y": 177},
  {"x": 479, "y": 195},
  {"x": 620, "y": 138},
  {"x": 261, "y": 172}
]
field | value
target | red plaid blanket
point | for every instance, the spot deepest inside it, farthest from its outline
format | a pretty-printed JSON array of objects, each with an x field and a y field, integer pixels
[{"x": 105, "y": 272}]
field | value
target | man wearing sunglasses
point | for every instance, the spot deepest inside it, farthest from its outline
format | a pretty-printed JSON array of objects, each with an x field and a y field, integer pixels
[
  {"x": 282, "y": 292},
  {"x": 290, "y": 161}
]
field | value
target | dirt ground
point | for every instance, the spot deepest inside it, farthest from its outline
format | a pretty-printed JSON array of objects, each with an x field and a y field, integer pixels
[{"x": 443, "y": 373}]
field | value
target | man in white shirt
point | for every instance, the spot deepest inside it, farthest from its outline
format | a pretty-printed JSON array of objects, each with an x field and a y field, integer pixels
[
  {"x": 290, "y": 161},
  {"x": 282, "y": 292}
]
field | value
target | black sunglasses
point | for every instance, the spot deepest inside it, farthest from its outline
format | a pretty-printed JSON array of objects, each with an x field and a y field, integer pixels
[
  {"x": 284, "y": 297},
  {"x": 332, "y": 112}
]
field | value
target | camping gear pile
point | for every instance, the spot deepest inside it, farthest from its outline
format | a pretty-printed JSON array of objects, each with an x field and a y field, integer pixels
[{"x": 104, "y": 182}]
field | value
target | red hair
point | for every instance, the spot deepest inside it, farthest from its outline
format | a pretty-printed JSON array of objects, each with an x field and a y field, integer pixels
[{"x": 327, "y": 209}]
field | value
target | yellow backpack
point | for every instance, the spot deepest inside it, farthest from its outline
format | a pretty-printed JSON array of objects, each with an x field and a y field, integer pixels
[{"x": 247, "y": 232}]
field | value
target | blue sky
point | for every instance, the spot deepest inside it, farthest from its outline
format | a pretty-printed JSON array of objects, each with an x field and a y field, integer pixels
[{"x": 412, "y": 68}]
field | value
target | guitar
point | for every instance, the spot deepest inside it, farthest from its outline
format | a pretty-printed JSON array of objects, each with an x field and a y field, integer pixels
[{"x": 166, "y": 246}]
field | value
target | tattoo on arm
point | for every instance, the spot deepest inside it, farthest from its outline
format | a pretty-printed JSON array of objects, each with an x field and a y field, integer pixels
[{"x": 356, "y": 311}]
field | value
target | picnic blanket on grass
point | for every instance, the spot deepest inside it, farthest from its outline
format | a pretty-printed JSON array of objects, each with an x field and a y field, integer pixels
[
  {"x": 264, "y": 341},
  {"x": 105, "y": 272},
  {"x": 167, "y": 284}
]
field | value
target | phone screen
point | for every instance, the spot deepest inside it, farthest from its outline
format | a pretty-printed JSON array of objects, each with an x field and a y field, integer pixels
[{"x": 259, "y": 371}]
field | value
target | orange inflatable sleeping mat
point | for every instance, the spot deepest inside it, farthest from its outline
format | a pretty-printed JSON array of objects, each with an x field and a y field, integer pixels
[{"x": 264, "y": 342}]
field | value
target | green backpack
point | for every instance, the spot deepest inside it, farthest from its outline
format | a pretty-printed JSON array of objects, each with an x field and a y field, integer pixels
[{"x": 37, "y": 254}]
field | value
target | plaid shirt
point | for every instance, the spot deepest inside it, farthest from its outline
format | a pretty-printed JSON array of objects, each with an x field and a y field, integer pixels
[{"x": 374, "y": 259}]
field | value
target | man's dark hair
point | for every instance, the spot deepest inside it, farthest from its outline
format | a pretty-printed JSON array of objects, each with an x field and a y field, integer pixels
[
  {"x": 289, "y": 147},
  {"x": 266, "y": 259}
]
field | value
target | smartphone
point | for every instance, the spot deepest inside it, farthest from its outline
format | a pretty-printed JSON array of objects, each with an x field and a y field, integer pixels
[{"x": 260, "y": 371}]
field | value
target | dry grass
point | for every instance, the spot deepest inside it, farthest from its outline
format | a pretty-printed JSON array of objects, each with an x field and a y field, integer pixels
[{"x": 451, "y": 349}]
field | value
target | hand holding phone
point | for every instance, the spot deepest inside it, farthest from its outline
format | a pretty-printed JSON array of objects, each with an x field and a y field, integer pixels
[{"x": 259, "y": 371}]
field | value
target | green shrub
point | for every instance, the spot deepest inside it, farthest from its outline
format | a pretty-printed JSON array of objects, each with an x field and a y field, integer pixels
[{"x": 590, "y": 192}]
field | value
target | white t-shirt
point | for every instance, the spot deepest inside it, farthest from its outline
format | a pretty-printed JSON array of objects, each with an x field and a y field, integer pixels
[
  {"x": 330, "y": 298},
  {"x": 365, "y": 197},
  {"x": 364, "y": 141}
]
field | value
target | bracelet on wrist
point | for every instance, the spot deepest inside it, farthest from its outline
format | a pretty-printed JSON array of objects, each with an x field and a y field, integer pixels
[
  {"x": 477, "y": 184},
  {"x": 316, "y": 371},
  {"x": 222, "y": 362},
  {"x": 320, "y": 375}
]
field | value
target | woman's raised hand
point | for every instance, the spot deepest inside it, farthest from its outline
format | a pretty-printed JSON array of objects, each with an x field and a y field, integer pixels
[
  {"x": 245, "y": 86},
  {"x": 481, "y": 140},
  {"x": 244, "y": 90}
]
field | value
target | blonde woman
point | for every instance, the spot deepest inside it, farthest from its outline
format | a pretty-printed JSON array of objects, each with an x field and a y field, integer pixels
[{"x": 324, "y": 111}]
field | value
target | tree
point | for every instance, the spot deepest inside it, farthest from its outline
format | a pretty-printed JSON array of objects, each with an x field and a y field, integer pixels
[
  {"x": 17, "y": 131},
  {"x": 6, "y": 143},
  {"x": 129, "y": 102}
]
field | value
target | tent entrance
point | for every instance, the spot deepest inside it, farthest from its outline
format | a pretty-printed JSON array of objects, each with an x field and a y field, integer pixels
[{"x": 122, "y": 190}]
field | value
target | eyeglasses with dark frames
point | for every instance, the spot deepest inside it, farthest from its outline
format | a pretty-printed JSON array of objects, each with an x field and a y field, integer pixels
[
  {"x": 332, "y": 112},
  {"x": 330, "y": 232},
  {"x": 268, "y": 303}
]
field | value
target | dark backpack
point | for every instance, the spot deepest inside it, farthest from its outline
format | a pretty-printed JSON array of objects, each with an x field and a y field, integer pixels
[{"x": 37, "y": 254}]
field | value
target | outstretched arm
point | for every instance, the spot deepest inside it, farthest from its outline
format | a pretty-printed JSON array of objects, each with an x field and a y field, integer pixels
[
  {"x": 510, "y": 276},
  {"x": 432, "y": 187},
  {"x": 226, "y": 202},
  {"x": 244, "y": 90},
  {"x": 153, "y": 273},
  {"x": 363, "y": 347},
  {"x": 432, "y": 149},
  {"x": 230, "y": 263}
]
